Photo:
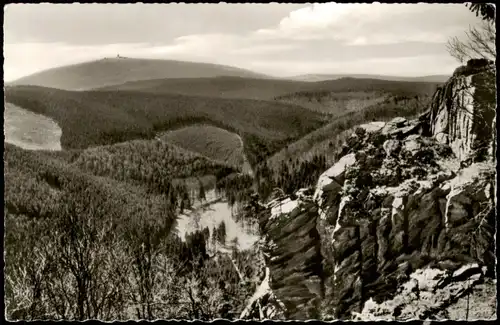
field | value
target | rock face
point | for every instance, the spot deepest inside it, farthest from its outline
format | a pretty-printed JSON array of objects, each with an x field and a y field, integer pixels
[
  {"x": 435, "y": 292},
  {"x": 416, "y": 198},
  {"x": 294, "y": 257},
  {"x": 463, "y": 110},
  {"x": 397, "y": 212}
]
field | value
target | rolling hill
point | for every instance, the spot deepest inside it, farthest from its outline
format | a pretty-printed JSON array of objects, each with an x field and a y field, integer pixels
[
  {"x": 92, "y": 118},
  {"x": 150, "y": 163},
  {"x": 112, "y": 71},
  {"x": 211, "y": 142},
  {"x": 224, "y": 87},
  {"x": 269, "y": 89},
  {"x": 40, "y": 186},
  {"x": 323, "y": 77}
]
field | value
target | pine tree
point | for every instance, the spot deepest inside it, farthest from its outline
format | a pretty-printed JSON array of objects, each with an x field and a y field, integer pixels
[
  {"x": 201, "y": 195},
  {"x": 182, "y": 206},
  {"x": 222, "y": 233}
]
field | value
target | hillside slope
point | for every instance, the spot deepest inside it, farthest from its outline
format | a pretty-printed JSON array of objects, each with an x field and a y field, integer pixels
[
  {"x": 268, "y": 89},
  {"x": 80, "y": 237},
  {"x": 225, "y": 87},
  {"x": 93, "y": 118},
  {"x": 150, "y": 163},
  {"x": 212, "y": 142},
  {"x": 113, "y": 71},
  {"x": 323, "y": 77},
  {"x": 325, "y": 140}
]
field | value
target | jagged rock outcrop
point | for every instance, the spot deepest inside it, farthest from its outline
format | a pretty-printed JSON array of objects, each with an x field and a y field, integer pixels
[
  {"x": 464, "y": 294},
  {"x": 463, "y": 111},
  {"x": 396, "y": 214},
  {"x": 408, "y": 197},
  {"x": 264, "y": 304},
  {"x": 293, "y": 252}
]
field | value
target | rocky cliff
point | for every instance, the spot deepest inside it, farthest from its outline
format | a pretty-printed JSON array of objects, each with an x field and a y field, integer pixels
[
  {"x": 294, "y": 257},
  {"x": 463, "y": 111},
  {"x": 409, "y": 208}
]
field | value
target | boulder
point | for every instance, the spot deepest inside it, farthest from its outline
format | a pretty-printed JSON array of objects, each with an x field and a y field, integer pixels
[
  {"x": 468, "y": 189},
  {"x": 373, "y": 127},
  {"x": 430, "y": 292},
  {"x": 400, "y": 128},
  {"x": 412, "y": 146},
  {"x": 336, "y": 174},
  {"x": 398, "y": 121},
  {"x": 392, "y": 147}
]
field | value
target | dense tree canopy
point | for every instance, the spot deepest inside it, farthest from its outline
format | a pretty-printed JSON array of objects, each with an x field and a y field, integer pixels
[{"x": 487, "y": 11}]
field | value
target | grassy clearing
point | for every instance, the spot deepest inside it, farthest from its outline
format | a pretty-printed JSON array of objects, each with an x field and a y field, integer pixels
[
  {"x": 30, "y": 131},
  {"x": 212, "y": 142}
]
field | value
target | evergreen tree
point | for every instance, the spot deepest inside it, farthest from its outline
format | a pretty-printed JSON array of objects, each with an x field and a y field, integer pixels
[
  {"x": 201, "y": 193},
  {"x": 182, "y": 206},
  {"x": 222, "y": 233},
  {"x": 185, "y": 196}
]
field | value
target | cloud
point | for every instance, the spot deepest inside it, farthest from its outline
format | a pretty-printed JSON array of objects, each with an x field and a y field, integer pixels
[
  {"x": 264, "y": 49},
  {"x": 99, "y": 23},
  {"x": 22, "y": 59},
  {"x": 369, "y": 24},
  {"x": 324, "y": 38},
  {"x": 210, "y": 45}
]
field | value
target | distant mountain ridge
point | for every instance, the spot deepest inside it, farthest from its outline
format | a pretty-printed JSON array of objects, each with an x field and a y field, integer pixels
[
  {"x": 109, "y": 72},
  {"x": 324, "y": 77},
  {"x": 266, "y": 89},
  {"x": 113, "y": 71}
]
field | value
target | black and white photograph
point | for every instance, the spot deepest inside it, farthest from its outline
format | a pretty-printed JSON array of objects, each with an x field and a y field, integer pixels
[{"x": 251, "y": 161}]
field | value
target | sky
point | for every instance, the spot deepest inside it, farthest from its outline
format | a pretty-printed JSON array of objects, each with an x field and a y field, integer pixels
[{"x": 276, "y": 39}]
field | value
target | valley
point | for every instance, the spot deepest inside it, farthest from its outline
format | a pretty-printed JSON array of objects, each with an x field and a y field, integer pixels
[{"x": 149, "y": 188}]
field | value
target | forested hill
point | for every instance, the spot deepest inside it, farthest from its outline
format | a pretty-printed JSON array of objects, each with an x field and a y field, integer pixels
[
  {"x": 322, "y": 77},
  {"x": 93, "y": 118},
  {"x": 268, "y": 89},
  {"x": 116, "y": 207}
]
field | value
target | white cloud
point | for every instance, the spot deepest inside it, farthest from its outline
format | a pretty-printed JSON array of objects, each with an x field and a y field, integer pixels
[
  {"x": 204, "y": 44},
  {"x": 263, "y": 49},
  {"x": 307, "y": 35},
  {"x": 367, "y": 24},
  {"x": 26, "y": 58}
]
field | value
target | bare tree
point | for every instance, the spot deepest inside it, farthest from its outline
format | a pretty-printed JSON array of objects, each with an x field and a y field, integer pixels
[{"x": 480, "y": 41}]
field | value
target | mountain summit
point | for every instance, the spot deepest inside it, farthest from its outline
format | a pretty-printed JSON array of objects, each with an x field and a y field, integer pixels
[{"x": 119, "y": 70}]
